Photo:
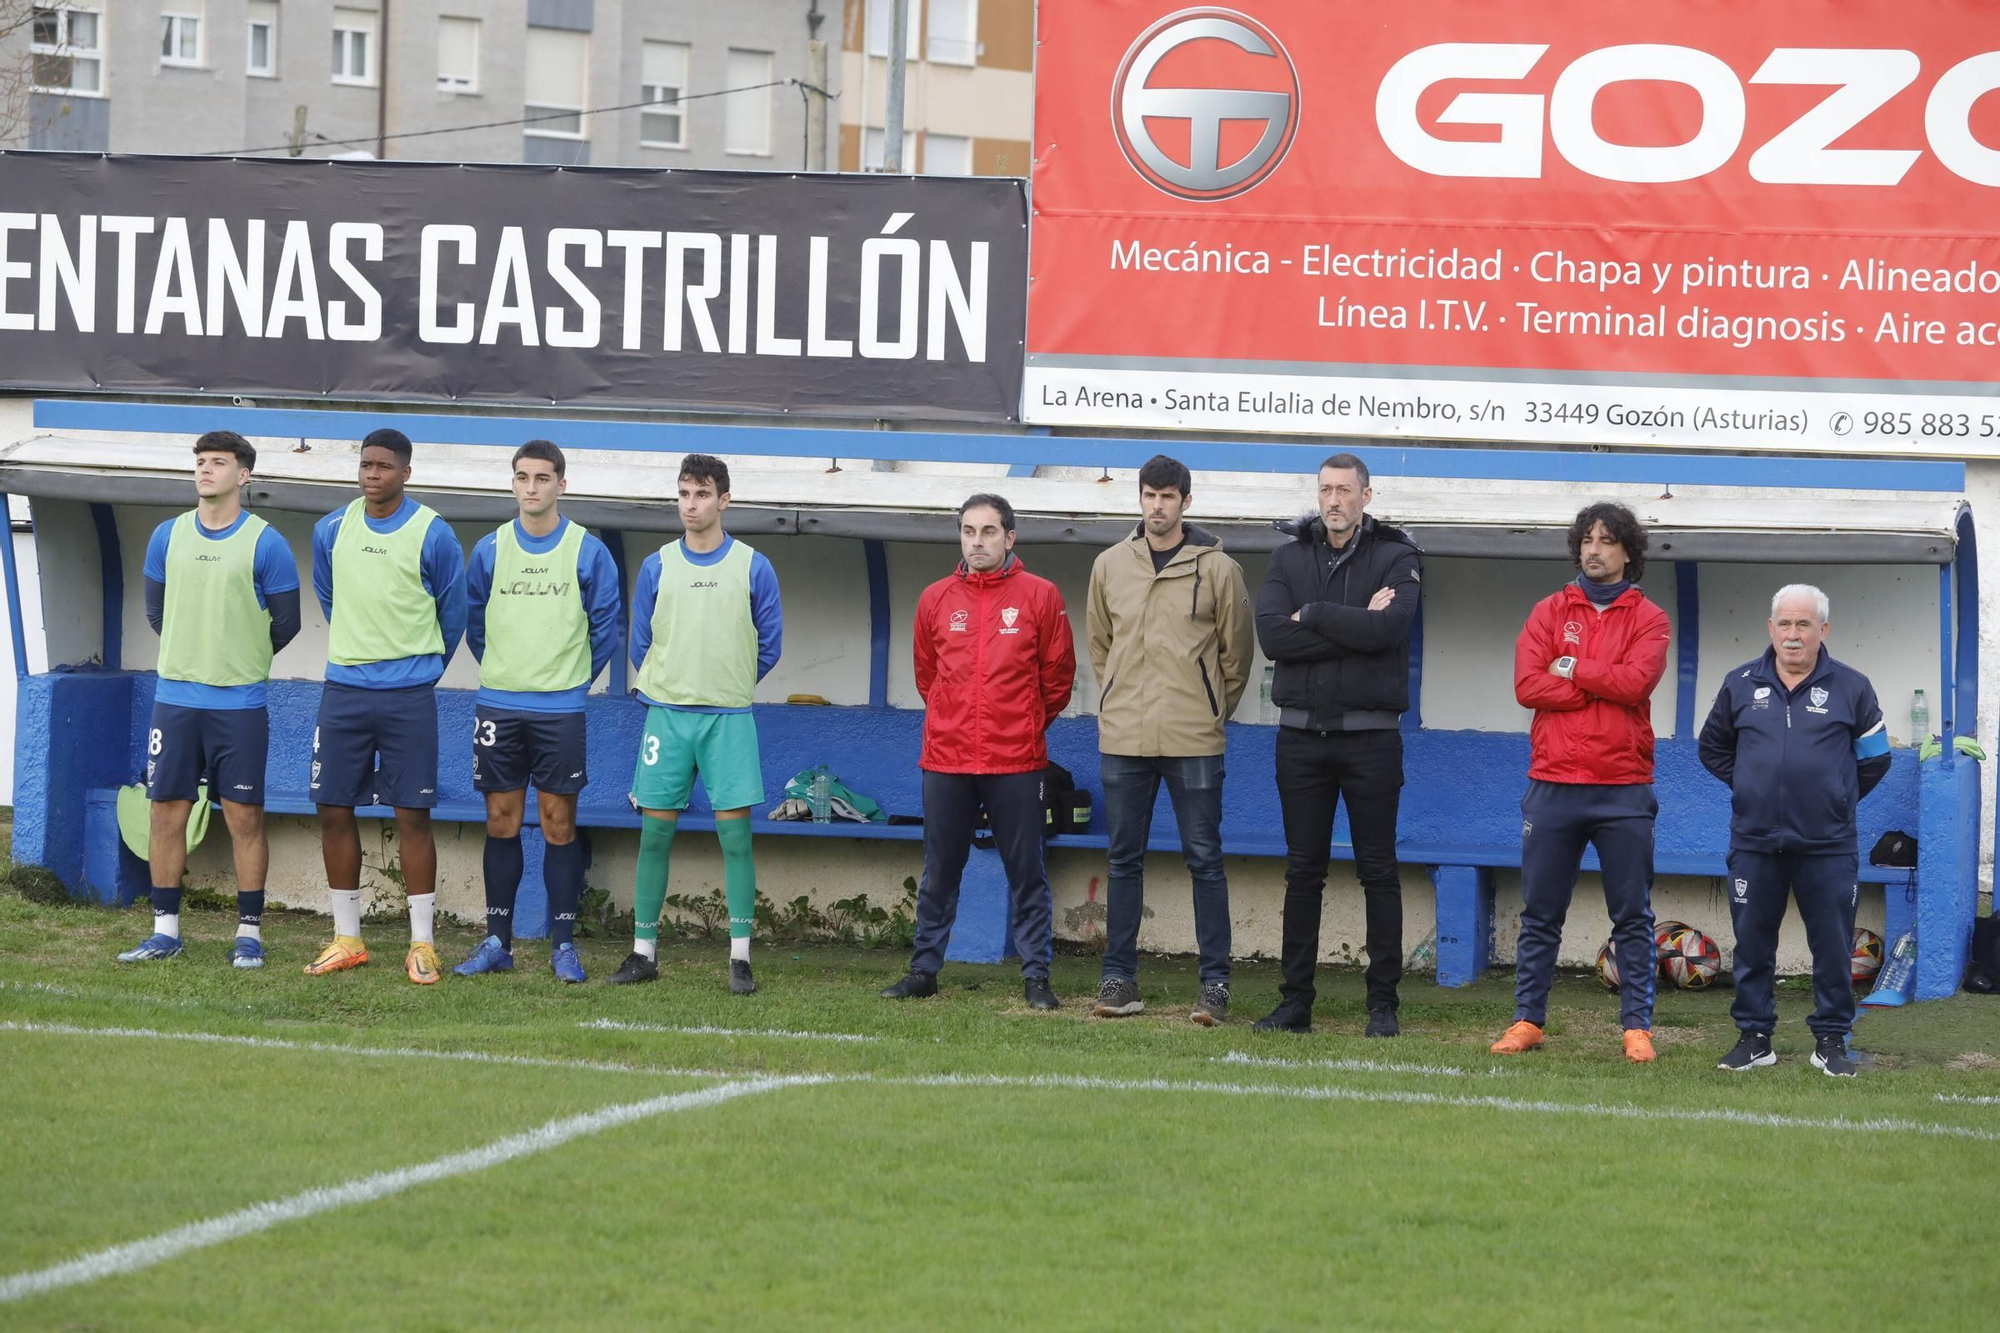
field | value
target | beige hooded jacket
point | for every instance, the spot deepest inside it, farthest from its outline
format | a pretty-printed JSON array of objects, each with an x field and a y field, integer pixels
[{"x": 1171, "y": 650}]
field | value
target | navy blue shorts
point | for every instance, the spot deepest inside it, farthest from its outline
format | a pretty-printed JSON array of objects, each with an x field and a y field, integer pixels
[
  {"x": 510, "y": 747},
  {"x": 224, "y": 747},
  {"x": 376, "y": 747}
]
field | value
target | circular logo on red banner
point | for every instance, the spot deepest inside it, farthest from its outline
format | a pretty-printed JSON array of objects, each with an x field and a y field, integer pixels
[{"x": 1205, "y": 104}]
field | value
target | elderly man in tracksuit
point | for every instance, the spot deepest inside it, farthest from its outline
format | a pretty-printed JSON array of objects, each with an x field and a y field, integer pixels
[
  {"x": 1587, "y": 661},
  {"x": 1799, "y": 739},
  {"x": 994, "y": 664}
]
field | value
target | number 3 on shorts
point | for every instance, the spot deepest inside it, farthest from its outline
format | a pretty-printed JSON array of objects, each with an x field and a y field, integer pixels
[
  {"x": 649, "y": 753},
  {"x": 482, "y": 732}
]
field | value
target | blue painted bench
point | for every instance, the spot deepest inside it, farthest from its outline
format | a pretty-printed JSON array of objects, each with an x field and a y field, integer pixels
[{"x": 1458, "y": 812}]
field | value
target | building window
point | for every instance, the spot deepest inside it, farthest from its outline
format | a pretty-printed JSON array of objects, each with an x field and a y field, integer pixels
[
  {"x": 458, "y": 55},
  {"x": 558, "y": 73},
  {"x": 746, "y": 115},
  {"x": 180, "y": 39},
  {"x": 872, "y": 144},
  {"x": 663, "y": 72},
  {"x": 65, "y": 52},
  {"x": 262, "y": 58},
  {"x": 946, "y": 155},
  {"x": 882, "y": 17},
  {"x": 353, "y": 46},
  {"x": 952, "y": 32}
]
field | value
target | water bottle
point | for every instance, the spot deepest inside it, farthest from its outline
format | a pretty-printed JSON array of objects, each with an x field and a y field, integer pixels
[
  {"x": 1267, "y": 712},
  {"x": 819, "y": 795},
  {"x": 1892, "y": 985},
  {"x": 1423, "y": 958},
  {"x": 1920, "y": 720}
]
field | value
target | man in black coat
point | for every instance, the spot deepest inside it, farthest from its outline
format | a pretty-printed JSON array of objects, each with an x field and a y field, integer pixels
[
  {"x": 1334, "y": 615},
  {"x": 1799, "y": 738}
]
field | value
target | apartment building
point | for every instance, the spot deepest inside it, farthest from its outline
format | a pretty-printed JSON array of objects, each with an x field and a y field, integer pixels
[
  {"x": 455, "y": 80},
  {"x": 968, "y": 106}
]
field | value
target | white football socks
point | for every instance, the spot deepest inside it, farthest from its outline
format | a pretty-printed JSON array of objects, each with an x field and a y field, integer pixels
[
  {"x": 167, "y": 924},
  {"x": 650, "y": 948},
  {"x": 739, "y": 950},
  {"x": 246, "y": 931},
  {"x": 423, "y": 910},
  {"x": 346, "y": 912}
]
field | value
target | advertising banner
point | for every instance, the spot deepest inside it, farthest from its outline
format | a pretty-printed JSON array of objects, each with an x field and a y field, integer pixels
[
  {"x": 766, "y": 292},
  {"x": 1730, "y": 223}
]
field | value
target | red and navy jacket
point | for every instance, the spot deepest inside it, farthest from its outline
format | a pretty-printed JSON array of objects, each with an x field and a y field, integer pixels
[
  {"x": 995, "y": 661},
  {"x": 1797, "y": 761},
  {"x": 1597, "y": 726}
]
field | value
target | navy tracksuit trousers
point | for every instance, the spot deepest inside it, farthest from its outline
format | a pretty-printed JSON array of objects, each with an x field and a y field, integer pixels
[
  {"x": 1558, "y": 819},
  {"x": 1760, "y": 883},
  {"x": 1016, "y": 808}
]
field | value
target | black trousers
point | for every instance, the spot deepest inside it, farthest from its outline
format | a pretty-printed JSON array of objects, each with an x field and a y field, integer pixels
[
  {"x": 1317, "y": 770},
  {"x": 1016, "y": 809},
  {"x": 1760, "y": 883}
]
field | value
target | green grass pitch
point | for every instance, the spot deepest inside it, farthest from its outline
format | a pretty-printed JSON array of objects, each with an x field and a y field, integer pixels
[{"x": 970, "y": 1165}]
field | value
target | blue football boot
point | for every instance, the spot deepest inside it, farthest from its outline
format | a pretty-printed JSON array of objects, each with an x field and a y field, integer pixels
[
  {"x": 566, "y": 965},
  {"x": 490, "y": 956}
]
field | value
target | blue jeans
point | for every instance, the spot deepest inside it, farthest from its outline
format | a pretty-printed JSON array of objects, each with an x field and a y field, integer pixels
[{"x": 1194, "y": 785}]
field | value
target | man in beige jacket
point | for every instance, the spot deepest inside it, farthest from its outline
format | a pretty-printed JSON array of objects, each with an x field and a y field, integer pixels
[{"x": 1171, "y": 642}]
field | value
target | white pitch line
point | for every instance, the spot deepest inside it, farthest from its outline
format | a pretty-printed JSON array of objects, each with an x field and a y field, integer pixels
[
  {"x": 1963, "y": 1100},
  {"x": 136, "y": 1255},
  {"x": 1345, "y": 1066},
  {"x": 381, "y": 1052},
  {"x": 613, "y": 1025},
  {"x": 1756, "y": 1119},
  {"x": 42, "y": 988}
]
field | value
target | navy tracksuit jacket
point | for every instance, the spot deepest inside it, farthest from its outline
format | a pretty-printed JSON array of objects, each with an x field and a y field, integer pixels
[{"x": 1797, "y": 763}]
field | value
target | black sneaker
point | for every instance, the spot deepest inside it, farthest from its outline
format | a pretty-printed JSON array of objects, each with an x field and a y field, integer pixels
[
  {"x": 1382, "y": 1021},
  {"x": 1117, "y": 998},
  {"x": 1751, "y": 1051},
  {"x": 740, "y": 980},
  {"x": 915, "y": 985},
  {"x": 1830, "y": 1057},
  {"x": 1212, "y": 1006},
  {"x": 636, "y": 968},
  {"x": 1289, "y": 1016},
  {"x": 1039, "y": 996}
]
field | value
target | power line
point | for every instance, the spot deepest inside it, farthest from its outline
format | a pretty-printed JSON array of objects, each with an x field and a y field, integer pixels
[{"x": 529, "y": 120}]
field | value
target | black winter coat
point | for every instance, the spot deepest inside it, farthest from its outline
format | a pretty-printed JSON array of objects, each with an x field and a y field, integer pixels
[{"x": 1339, "y": 657}]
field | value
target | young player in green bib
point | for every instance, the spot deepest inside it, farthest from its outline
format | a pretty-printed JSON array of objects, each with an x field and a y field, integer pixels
[
  {"x": 390, "y": 576},
  {"x": 542, "y": 603},
  {"x": 222, "y": 592},
  {"x": 706, "y": 627}
]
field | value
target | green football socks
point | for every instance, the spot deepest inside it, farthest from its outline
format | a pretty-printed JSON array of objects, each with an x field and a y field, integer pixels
[{"x": 649, "y": 885}]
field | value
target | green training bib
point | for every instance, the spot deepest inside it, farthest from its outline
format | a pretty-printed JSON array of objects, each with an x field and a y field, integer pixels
[
  {"x": 212, "y": 631},
  {"x": 704, "y": 649},
  {"x": 537, "y": 629},
  {"x": 381, "y": 612}
]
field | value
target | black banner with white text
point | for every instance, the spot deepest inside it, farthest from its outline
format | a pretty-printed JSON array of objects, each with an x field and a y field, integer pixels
[{"x": 848, "y": 296}]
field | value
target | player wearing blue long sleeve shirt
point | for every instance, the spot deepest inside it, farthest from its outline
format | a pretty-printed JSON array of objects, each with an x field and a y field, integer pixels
[
  {"x": 222, "y": 592},
  {"x": 543, "y": 621},
  {"x": 706, "y": 627},
  {"x": 390, "y": 575}
]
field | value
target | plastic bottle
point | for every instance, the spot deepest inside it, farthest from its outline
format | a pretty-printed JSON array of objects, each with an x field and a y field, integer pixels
[
  {"x": 1892, "y": 984},
  {"x": 1267, "y": 712},
  {"x": 819, "y": 795},
  {"x": 1920, "y": 720}
]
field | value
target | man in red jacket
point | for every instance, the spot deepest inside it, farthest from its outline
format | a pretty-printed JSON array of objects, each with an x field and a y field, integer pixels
[
  {"x": 1587, "y": 662},
  {"x": 994, "y": 663}
]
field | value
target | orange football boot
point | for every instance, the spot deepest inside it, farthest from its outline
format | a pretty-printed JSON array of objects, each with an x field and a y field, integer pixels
[
  {"x": 1523, "y": 1036},
  {"x": 421, "y": 963},
  {"x": 1639, "y": 1046},
  {"x": 346, "y": 951}
]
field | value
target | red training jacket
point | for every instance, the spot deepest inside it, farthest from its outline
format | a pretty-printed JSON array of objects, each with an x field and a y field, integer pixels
[
  {"x": 1596, "y": 727},
  {"x": 994, "y": 662}
]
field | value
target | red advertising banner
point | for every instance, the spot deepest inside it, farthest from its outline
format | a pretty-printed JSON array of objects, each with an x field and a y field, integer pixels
[{"x": 1733, "y": 223}]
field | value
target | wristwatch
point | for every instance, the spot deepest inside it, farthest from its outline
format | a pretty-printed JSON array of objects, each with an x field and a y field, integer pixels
[{"x": 1564, "y": 667}]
